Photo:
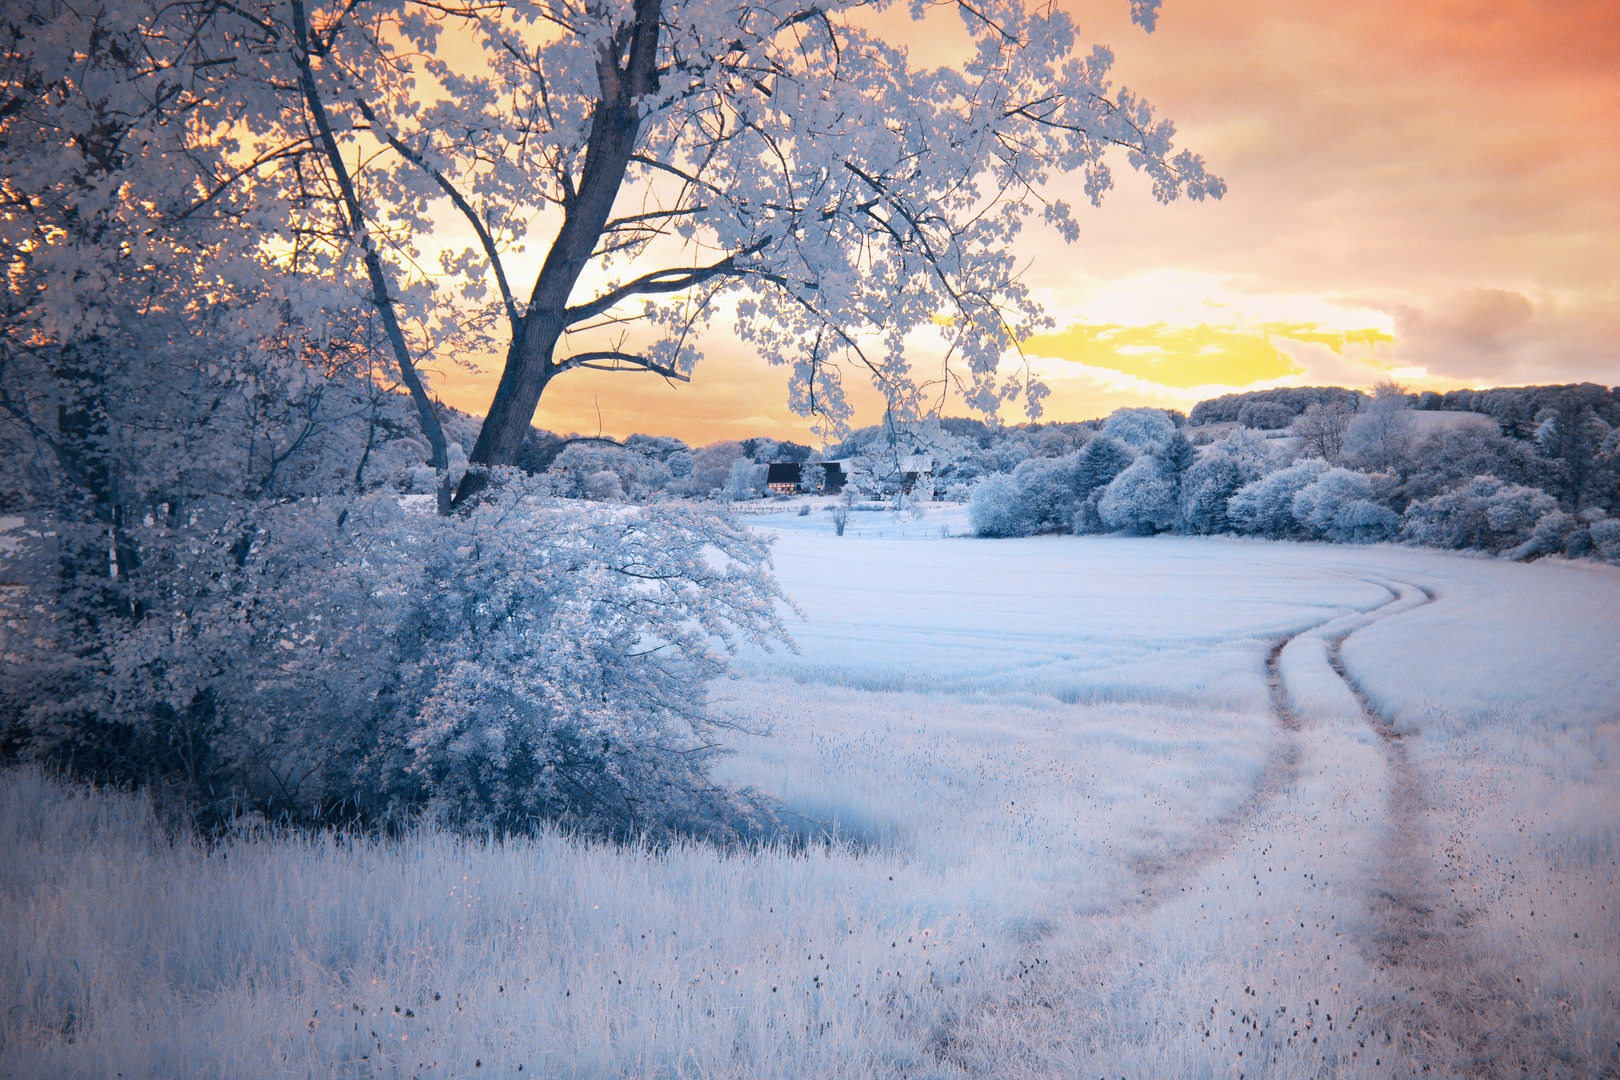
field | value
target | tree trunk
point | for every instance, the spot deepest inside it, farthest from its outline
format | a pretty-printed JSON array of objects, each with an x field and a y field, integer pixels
[
  {"x": 530, "y": 363},
  {"x": 381, "y": 294}
]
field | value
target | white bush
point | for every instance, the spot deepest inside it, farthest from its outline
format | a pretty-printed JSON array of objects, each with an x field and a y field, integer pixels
[
  {"x": 1266, "y": 505},
  {"x": 1039, "y": 496},
  {"x": 1209, "y": 484},
  {"x": 532, "y": 660},
  {"x": 746, "y": 480},
  {"x": 1606, "y": 539},
  {"x": 1142, "y": 499},
  {"x": 1485, "y": 513},
  {"x": 1345, "y": 507}
]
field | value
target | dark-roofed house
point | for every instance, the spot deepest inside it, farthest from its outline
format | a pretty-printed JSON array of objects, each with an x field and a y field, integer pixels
[
  {"x": 787, "y": 477},
  {"x": 784, "y": 477}
]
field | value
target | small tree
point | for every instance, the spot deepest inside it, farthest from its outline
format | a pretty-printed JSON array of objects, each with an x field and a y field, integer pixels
[
  {"x": 1140, "y": 428},
  {"x": 1143, "y": 499},
  {"x": 746, "y": 480},
  {"x": 1321, "y": 428},
  {"x": 1346, "y": 507},
  {"x": 1039, "y": 496},
  {"x": 1098, "y": 463},
  {"x": 846, "y": 503},
  {"x": 1209, "y": 484},
  {"x": 1381, "y": 437},
  {"x": 1573, "y": 435}
]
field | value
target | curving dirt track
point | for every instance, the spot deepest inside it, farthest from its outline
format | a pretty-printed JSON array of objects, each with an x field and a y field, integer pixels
[
  {"x": 1420, "y": 995},
  {"x": 1463, "y": 1012}
]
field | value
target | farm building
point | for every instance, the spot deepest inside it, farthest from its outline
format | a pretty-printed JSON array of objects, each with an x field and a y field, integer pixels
[{"x": 787, "y": 477}]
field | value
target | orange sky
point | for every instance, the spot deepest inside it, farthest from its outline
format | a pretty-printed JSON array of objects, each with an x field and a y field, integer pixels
[{"x": 1425, "y": 188}]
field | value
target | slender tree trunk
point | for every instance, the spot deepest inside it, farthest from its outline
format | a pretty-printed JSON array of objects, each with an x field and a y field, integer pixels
[
  {"x": 381, "y": 294},
  {"x": 530, "y": 360}
]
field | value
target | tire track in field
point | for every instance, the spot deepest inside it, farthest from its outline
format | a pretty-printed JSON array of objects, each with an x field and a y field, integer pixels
[
  {"x": 1465, "y": 1017},
  {"x": 1404, "y": 908},
  {"x": 1162, "y": 879}
]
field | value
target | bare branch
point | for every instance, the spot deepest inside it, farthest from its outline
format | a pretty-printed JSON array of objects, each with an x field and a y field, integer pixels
[
  {"x": 461, "y": 204},
  {"x": 666, "y": 281},
  {"x": 374, "y": 267},
  {"x": 638, "y": 363}
]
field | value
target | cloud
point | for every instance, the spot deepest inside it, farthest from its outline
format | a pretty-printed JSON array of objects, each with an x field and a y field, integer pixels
[
  {"x": 1443, "y": 173},
  {"x": 1496, "y": 336}
]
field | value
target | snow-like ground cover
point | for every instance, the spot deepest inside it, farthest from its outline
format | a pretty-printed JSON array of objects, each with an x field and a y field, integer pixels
[{"x": 1106, "y": 807}]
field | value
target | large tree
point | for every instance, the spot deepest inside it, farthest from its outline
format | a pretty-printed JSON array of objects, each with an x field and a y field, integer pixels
[{"x": 776, "y": 161}]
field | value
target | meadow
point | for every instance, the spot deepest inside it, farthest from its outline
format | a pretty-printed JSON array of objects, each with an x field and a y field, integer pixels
[{"x": 1060, "y": 806}]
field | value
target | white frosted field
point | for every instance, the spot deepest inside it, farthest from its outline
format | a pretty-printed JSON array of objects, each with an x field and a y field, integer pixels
[{"x": 1099, "y": 807}]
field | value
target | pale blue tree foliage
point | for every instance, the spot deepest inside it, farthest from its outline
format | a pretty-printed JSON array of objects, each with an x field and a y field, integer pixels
[
  {"x": 1346, "y": 507},
  {"x": 1266, "y": 505}
]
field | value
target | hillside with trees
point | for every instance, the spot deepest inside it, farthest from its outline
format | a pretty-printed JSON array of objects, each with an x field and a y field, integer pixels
[{"x": 1537, "y": 474}]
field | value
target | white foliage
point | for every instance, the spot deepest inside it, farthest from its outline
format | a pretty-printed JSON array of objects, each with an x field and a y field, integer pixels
[
  {"x": 1223, "y": 468},
  {"x": 1142, "y": 499},
  {"x": 745, "y": 480},
  {"x": 996, "y": 509},
  {"x": 1266, "y": 505},
  {"x": 1485, "y": 513},
  {"x": 1039, "y": 496},
  {"x": 770, "y": 151},
  {"x": 1140, "y": 428},
  {"x": 532, "y": 660},
  {"x": 1606, "y": 539},
  {"x": 602, "y": 471},
  {"x": 1345, "y": 507},
  {"x": 1114, "y": 837}
]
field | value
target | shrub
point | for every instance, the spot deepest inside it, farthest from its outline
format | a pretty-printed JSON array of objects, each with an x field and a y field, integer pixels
[
  {"x": 1485, "y": 513},
  {"x": 1266, "y": 505},
  {"x": 1143, "y": 499},
  {"x": 534, "y": 660},
  {"x": 1345, "y": 507},
  {"x": 1039, "y": 496},
  {"x": 1606, "y": 539},
  {"x": 1211, "y": 481}
]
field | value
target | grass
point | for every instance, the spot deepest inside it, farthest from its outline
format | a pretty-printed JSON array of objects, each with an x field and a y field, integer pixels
[{"x": 1036, "y": 762}]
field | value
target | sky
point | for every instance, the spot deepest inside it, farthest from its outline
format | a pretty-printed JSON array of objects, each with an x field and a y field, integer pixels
[{"x": 1428, "y": 191}]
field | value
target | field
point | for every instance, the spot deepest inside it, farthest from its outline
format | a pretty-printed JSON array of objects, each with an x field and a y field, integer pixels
[{"x": 1075, "y": 807}]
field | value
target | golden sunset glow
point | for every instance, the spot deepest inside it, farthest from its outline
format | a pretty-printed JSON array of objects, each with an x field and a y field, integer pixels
[{"x": 1185, "y": 357}]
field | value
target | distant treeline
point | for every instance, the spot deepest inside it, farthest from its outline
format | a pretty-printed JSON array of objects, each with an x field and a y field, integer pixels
[
  {"x": 1270, "y": 409},
  {"x": 1513, "y": 407}
]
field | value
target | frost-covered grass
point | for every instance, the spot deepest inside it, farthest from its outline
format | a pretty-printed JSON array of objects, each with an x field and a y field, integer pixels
[{"x": 1071, "y": 839}]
